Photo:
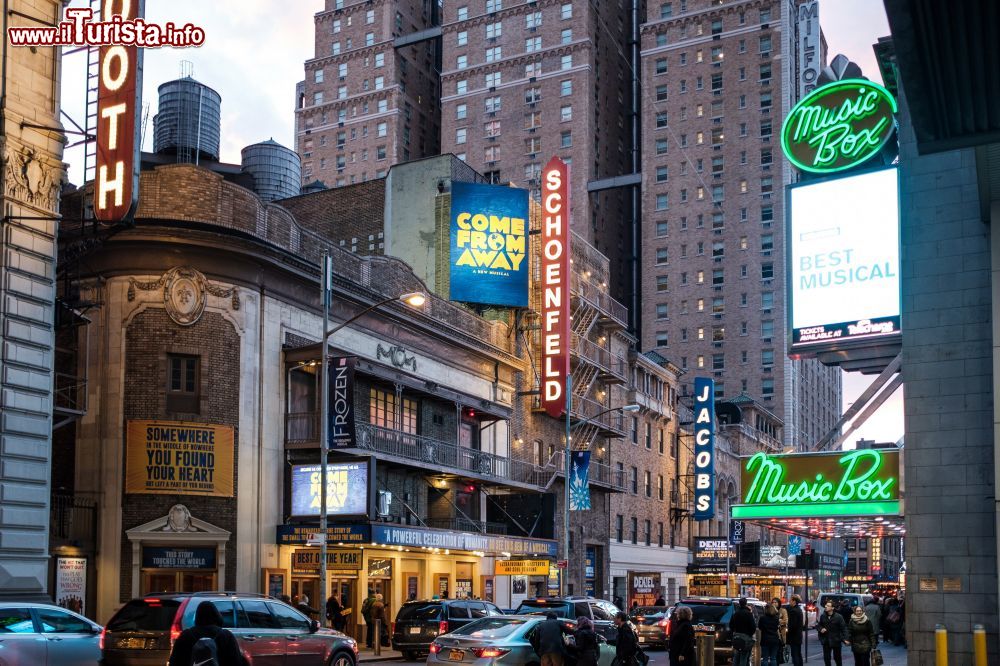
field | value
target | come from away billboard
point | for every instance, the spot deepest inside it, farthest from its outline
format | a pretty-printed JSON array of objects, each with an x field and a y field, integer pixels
[{"x": 489, "y": 245}]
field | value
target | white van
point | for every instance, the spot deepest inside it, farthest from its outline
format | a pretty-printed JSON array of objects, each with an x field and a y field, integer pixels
[{"x": 838, "y": 597}]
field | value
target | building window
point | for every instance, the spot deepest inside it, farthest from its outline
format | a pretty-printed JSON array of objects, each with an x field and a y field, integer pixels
[
  {"x": 647, "y": 531},
  {"x": 765, "y": 44},
  {"x": 370, "y": 17},
  {"x": 493, "y": 79},
  {"x": 532, "y": 95},
  {"x": 662, "y": 228},
  {"x": 648, "y": 480},
  {"x": 493, "y": 6},
  {"x": 461, "y": 86},
  {"x": 659, "y": 477},
  {"x": 659, "y": 534},
  {"x": 382, "y": 411},
  {"x": 566, "y": 12},
  {"x": 462, "y": 62},
  {"x": 183, "y": 383},
  {"x": 662, "y": 339},
  {"x": 767, "y": 270},
  {"x": 381, "y": 129},
  {"x": 661, "y": 92},
  {"x": 532, "y": 20},
  {"x": 494, "y": 53},
  {"x": 634, "y": 476},
  {"x": 491, "y": 153},
  {"x": 666, "y": 10},
  {"x": 566, "y": 139},
  {"x": 462, "y": 38},
  {"x": 661, "y": 255},
  {"x": 370, "y": 39},
  {"x": 318, "y": 76},
  {"x": 492, "y": 104},
  {"x": 463, "y": 13},
  {"x": 767, "y": 387},
  {"x": 494, "y": 30},
  {"x": 619, "y": 528},
  {"x": 532, "y": 44},
  {"x": 635, "y": 530},
  {"x": 380, "y": 153},
  {"x": 767, "y": 329},
  {"x": 460, "y": 135},
  {"x": 661, "y": 66},
  {"x": 661, "y": 144},
  {"x": 661, "y": 122},
  {"x": 566, "y": 113},
  {"x": 566, "y": 62},
  {"x": 565, "y": 88},
  {"x": 461, "y": 112}
]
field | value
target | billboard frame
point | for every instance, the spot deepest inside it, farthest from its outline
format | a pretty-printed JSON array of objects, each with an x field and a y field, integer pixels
[
  {"x": 843, "y": 350},
  {"x": 336, "y": 517}
]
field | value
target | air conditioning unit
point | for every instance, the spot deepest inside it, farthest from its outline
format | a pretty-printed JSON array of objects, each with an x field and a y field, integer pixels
[{"x": 384, "y": 503}]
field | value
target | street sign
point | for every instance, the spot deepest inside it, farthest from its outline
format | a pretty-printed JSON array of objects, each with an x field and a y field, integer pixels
[
  {"x": 315, "y": 539},
  {"x": 562, "y": 564},
  {"x": 794, "y": 545}
]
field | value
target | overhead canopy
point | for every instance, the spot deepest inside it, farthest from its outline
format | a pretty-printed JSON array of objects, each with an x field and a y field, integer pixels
[{"x": 824, "y": 495}]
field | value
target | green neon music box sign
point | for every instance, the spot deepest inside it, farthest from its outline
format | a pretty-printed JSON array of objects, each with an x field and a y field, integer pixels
[
  {"x": 839, "y": 126},
  {"x": 820, "y": 485}
]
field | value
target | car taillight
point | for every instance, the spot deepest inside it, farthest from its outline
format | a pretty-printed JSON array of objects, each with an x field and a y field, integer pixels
[
  {"x": 435, "y": 648},
  {"x": 442, "y": 627},
  {"x": 489, "y": 652},
  {"x": 392, "y": 628},
  {"x": 669, "y": 622},
  {"x": 100, "y": 643},
  {"x": 663, "y": 623}
]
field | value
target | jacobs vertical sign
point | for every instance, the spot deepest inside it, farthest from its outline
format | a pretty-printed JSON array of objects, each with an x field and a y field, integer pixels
[
  {"x": 555, "y": 286},
  {"x": 704, "y": 448},
  {"x": 116, "y": 186},
  {"x": 839, "y": 126}
]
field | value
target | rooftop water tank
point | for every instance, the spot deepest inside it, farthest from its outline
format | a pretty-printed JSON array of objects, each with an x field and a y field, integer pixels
[
  {"x": 277, "y": 171},
  {"x": 188, "y": 120}
]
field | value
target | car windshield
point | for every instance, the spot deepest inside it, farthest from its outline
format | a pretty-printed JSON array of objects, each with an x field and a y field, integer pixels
[
  {"x": 837, "y": 599},
  {"x": 708, "y": 612},
  {"x": 541, "y": 607},
  {"x": 649, "y": 613},
  {"x": 426, "y": 612},
  {"x": 145, "y": 615},
  {"x": 491, "y": 627}
]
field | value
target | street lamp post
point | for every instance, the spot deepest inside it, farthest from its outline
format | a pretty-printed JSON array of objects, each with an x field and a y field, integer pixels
[
  {"x": 414, "y": 299},
  {"x": 566, "y": 467}
]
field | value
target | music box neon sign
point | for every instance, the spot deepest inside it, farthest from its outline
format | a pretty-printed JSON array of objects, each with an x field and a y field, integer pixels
[{"x": 852, "y": 483}]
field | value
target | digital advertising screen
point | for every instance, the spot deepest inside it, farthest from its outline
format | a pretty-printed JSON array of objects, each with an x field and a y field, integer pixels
[
  {"x": 347, "y": 491},
  {"x": 844, "y": 260}
]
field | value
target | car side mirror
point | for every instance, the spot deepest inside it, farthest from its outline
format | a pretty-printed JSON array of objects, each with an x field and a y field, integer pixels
[{"x": 313, "y": 626}]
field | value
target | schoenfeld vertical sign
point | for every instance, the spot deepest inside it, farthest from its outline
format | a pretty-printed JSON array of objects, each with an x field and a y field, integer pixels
[
  {"x": 341, "y": 426},
  {"x": 555, "y": 286},
  {"x": 704, "y": 448}
]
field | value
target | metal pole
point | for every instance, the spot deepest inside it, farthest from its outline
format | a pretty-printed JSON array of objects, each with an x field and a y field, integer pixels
[
  {"x": 566, "y": 465},
  {"x": 324, "y": 444},
  {"x": 806, "y": 611},
  {"x": 728, "y": 546}
]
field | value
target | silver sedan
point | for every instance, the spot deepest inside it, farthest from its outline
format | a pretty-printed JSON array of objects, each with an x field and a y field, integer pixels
[
  {"x": 497, "y": 640},
  {"x": 40, "y": 634}
]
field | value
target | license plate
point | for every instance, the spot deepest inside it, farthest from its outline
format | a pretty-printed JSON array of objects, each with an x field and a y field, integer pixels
[
  {"x": 414, "y": 630},
  {"x": 132, "y": 643},
  {"x": 456, "y": 655},
  {"x": 642, "y": 639}
]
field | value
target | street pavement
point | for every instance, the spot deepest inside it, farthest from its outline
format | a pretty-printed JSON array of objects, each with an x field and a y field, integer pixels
[{"x": 893, "y": 656}]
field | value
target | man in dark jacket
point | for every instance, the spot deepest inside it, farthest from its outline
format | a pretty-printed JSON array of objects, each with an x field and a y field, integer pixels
[
  {"x": 549, "y": 642},
  {"x": 627, "y": 643},
  {"x": 796, "y": 628},
  {"x": 832, "y": 632},
  {"x": 207, "y": 624},
  {"x": 743, "y": 628}
]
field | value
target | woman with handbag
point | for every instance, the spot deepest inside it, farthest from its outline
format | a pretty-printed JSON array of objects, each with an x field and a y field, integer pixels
[
  {"x": 681, "y": 639},
  {"x": 770, "y": 641},
  {"x": 784, "y": 654},
  {"x": 861, "y": 634}
]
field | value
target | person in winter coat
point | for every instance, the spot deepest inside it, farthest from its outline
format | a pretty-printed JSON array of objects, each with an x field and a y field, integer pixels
[
  {"x": 627, "y": 643},
  {"x": 207, "y": 624},
  {"x": 549, "y": 643},
  {"x": 660, "y": 601},
  {"x": 333, "y": 613},
  {"x": 770, "y": 639},
  {"x": 782, "y": 620},
  {"x": 873, "y": 609},
  {"x": 832, "y": 634},
  {"x": 743, "y": 628},
  {"x": 681, "y": 639},
  {"x": 861, "y": 634},
  {"x": 796, "y": 626},
  {"x": 379, "y": 613},
  {"x": 588, "y": 649}
]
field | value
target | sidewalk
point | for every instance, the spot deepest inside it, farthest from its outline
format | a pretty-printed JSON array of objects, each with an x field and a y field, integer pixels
[
  {"x": 367, "y": 655},
  {"x": 893, "y": 655}
]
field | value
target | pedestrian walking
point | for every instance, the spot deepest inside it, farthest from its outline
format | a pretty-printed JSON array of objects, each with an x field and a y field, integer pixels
[
  {"x": 832, "y": 634},
  {"x": 366, "y": 613},
  {"x": 627, "y": 642},
  {"x": 619, "y": 602},
  {"x": 796, "y": 629},
  {"x": 861, "y": 634},
  {"x": 588, "y": 649},
  {"x": 335, "y": 613},
  {"x": 743, "y": 628},
  {"x": 681, "y": 638},
  {"x": 206, "y": 642},
  {"x": 874, "y": 612},
  {"x": 660, "y": 601},
  {"x": 381, "y": 618},
  {"x": 548, "y": 641},
  {"x": 770, "y": 638},
  {"x": 845, "y": 610}
]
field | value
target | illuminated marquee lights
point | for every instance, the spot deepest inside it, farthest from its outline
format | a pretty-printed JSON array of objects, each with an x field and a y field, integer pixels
[
  {"x": 116, "y": 187},
  {"x": 555, "y": 286},
  {"x": 856, "y": 483},
  {"x": 704, "y": 448},
  {"x": 839, "y": 126}
]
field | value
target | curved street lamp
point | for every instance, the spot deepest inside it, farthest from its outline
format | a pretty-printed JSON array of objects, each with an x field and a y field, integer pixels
[{"x": 414, "y": 299}]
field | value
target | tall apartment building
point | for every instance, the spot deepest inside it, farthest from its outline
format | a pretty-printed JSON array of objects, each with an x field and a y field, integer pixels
[
  {"x": 367, "y": 103},
  {"x": 523, "y": 81},
  {"x": 718, "y": 78}
]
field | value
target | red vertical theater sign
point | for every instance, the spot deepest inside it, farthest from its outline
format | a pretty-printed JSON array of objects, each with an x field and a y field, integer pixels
[
  {"x": 116, "y": 177},
  {"x": 555, "y": 286}
]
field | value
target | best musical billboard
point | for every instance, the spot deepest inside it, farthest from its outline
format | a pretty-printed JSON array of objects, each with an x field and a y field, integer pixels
[
  {"x": 489, "y": 244},
  {"x": 347, "y": 493},
  {"x": 843, "y": 272}
]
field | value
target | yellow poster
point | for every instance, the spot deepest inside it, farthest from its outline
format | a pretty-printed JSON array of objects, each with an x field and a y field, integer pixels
[
  {"x": 178, "y": 457},
  {"x": 521, "y": 568}
]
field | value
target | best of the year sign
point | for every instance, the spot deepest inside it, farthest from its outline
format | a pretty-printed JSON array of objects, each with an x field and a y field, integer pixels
[
  {"x": 839, "y": 126},
  {"x": 179, "y": 458},
  {"x": 119, "y": 111},
  {"x": 863, "y": 482}
]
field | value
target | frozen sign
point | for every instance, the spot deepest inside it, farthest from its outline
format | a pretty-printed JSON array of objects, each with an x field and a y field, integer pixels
[
  {"x": 704, "y": 448},
  {"x": 844, "y": 246}
]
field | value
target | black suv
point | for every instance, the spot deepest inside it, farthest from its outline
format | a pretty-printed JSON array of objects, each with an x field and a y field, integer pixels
[
  {"x": 600, "y": 611},
  {"x": 713, "y": 614},
  {"x": 268, "y": 631},
  {"x": 418, "y": 623}
]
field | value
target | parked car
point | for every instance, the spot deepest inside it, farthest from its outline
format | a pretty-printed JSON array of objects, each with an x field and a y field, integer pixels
[
  {"x": 713, "y": 614},
  {"x": 600, "y": 611},
  {"x": 418, "y": 623},
  {"x": 142, "y": 632},
  {"x": 652, "y": 623},
  {"x": 500, "y": 640},
  {"x": 43, "y": 634}
]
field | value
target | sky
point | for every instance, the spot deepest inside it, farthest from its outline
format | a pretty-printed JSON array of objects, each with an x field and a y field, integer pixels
[{"x": 254, "y": 54}]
